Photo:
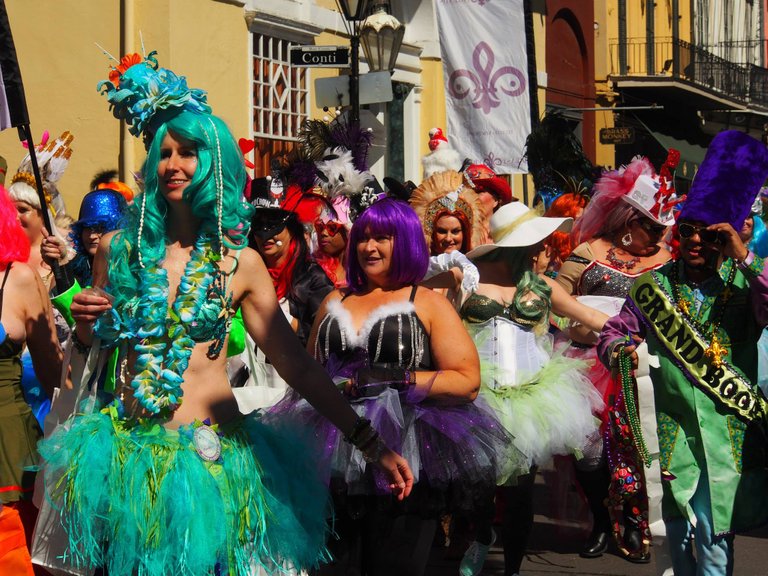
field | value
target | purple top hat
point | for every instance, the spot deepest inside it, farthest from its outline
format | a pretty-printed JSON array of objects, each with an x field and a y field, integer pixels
[{"x": 728, "y": 180}]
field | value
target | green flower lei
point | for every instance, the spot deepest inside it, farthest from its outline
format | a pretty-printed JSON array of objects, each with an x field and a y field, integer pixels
[{"x": 159, "y": 375}]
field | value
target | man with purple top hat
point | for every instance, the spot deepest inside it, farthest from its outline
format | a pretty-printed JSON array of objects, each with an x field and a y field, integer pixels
[{"x": 701, "y": 316}]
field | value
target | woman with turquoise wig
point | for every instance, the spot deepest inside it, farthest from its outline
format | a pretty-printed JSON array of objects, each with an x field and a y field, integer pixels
[{"x": 168, "y": 477}]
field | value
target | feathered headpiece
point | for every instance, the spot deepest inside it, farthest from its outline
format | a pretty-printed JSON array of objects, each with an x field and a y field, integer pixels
[
  {"x": 339, "y": 149},
  {"x": 636, "y": 184},
  {"x": 145, "y": 95},
  {"x": 447, "y": 191},
  {"x": 52, "y": 160}
]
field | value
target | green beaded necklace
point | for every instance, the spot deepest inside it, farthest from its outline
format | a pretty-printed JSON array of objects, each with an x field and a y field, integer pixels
[{"x": 630, "y": 402}]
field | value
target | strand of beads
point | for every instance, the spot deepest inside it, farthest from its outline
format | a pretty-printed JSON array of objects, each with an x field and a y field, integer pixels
[{"x": 630, "y": 402}]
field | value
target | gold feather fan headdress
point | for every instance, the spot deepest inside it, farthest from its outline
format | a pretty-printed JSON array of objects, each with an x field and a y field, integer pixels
[{"x": 447, "y": 192}]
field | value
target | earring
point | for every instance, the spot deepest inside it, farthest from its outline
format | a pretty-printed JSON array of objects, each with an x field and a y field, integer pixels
[{"x": 626, "y": 240}]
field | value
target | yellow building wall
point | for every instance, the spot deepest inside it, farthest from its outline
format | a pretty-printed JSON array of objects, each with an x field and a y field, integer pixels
[
  {"x": 61, "y": 66},
  {"x": 433, "y": 112}
]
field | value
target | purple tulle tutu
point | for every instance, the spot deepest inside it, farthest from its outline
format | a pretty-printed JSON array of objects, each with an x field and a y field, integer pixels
[{"x": 460, "y": 448}]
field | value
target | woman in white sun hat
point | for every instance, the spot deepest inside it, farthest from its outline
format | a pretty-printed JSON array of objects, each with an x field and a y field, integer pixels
[{"x": 542, "y": 398}]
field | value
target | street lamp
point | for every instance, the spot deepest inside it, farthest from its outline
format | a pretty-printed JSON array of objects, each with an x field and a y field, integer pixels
[
  {"x": 354, "y": 11},
  {"x": 381, "y": 35}
]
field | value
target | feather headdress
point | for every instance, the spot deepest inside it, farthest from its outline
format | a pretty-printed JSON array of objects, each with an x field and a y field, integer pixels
[
  {"x": 607, "y": 193},
  {"x": 448, "y": 192},
  {"x": 145, "y": 95},
  {"x": 52, "y": 159}
]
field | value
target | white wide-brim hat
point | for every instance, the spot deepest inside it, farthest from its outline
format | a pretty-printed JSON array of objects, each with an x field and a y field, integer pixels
[{"x": 515, "y": 226}]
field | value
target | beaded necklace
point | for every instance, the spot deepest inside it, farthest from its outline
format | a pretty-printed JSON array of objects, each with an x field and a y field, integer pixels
[
  {"x": 618, "y": 263},
  {"x": 630, "y": 402},
  {"x": 716, "y": 350}
]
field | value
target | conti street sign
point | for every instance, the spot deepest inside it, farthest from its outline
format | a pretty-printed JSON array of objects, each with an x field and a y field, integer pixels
[{"x": 320, "y": 56}]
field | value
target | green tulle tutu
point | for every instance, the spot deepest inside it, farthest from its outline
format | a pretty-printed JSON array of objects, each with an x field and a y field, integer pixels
[{"x": 139, "y": 499}]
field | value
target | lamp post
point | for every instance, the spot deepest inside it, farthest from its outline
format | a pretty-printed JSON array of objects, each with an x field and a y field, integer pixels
[
  {"x": 381, "y": 35},
  {"x": 354, "y": 11}
]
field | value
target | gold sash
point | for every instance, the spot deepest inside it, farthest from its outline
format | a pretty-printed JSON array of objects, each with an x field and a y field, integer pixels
[{"x": 687, "y": 345}]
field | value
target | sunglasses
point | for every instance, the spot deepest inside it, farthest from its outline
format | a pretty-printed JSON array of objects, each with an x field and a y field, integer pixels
[
  {"x": 263, "y": 224},
  {"x": 95, "y": 229},
  {"x": 331, "y": 227},
  {"x": 709, "y": 236},
  {"x": 651, "y": 227}
]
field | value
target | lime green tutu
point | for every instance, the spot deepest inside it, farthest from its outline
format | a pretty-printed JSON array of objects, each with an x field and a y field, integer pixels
[
  {"x": 549, "y": 413},
  {"x": 140, "y": 500}
]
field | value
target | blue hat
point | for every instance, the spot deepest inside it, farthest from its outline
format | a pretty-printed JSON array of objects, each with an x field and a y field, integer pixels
[
  {"x": 103, "y": 207},
  {"x": 728, "y": 180}
]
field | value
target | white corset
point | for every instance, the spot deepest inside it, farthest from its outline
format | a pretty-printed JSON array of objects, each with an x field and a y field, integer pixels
[{"x": 509, "y": 354}]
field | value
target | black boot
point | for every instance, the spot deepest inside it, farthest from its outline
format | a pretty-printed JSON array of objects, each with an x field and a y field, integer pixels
[
  {"x": 594, "y": 483},
  {"x": 636, "y": 550}
]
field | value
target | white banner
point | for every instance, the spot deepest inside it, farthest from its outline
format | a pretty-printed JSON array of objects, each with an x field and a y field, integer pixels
[{"x": 483, "y": 47}]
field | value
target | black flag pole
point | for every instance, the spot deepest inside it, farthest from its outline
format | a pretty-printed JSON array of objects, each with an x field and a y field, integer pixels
[{"x": 13, "y": 112}]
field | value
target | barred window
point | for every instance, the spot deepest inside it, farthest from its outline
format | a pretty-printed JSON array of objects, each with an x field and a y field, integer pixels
[{"x": 280, "y": 99}]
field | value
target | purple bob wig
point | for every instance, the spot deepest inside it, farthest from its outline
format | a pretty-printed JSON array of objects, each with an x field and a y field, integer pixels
[
  {"x": 15, "y": 245},
  {"x": 410, "y": 255}
]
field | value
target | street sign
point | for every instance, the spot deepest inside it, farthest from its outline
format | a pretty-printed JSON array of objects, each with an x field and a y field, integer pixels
[
  {"x": 320, "y": 56},
  {"x": 617, "y": 135},
  {"x": 375, "y": 87}
]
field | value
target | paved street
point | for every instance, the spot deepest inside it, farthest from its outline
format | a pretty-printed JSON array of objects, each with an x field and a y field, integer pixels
[{"x": 555, "y": 544}]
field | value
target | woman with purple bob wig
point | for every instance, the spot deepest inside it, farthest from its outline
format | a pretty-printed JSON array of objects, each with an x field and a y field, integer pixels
[
  {"x": 410, "y": 254},
  {"x": 401, "y": 355}
]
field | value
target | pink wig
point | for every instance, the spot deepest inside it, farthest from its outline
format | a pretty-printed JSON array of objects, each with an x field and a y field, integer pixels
[
  {"x": 601, "y": 214},
  {"x": 15, "y": 245}
]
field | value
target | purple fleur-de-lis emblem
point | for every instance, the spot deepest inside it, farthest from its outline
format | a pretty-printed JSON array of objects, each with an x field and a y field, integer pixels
[
  {"x": 492, "y": 161},
  {"x": 484, "y": 82}
]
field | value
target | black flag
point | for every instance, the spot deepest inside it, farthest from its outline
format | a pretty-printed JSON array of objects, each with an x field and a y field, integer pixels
[{"x": 13, "y": 105}]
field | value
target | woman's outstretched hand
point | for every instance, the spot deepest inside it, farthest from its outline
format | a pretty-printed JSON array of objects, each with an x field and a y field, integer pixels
[{"x": 398, "y": 471}]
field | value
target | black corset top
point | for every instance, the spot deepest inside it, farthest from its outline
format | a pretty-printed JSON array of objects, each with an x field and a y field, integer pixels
[{"x": 392, "y": 334}]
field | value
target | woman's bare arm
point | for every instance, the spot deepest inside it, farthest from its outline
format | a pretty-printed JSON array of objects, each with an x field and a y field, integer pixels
[
  {"x": 456, "y": 378},
  {"x": 42, "y": 341},
  {"x": 563, "y": 304}
]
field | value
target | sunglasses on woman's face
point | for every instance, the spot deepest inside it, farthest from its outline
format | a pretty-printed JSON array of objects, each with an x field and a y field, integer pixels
[
  {"x": 98, "y": 228},
  {"x": 688, "y": 230},
  {"x": 331, "y": 227},
  {"x": 262, "y": 224},
  {"x": 651, "y": 227}
]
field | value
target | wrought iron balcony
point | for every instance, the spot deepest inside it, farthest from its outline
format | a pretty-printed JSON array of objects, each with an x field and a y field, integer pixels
[{"x": 679, "y": 60}]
